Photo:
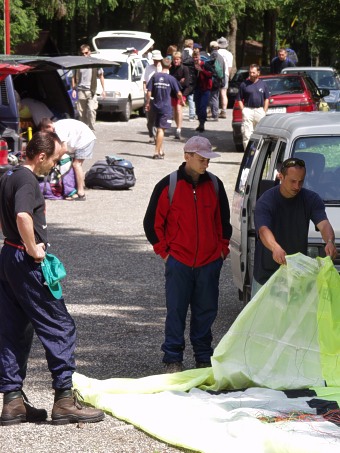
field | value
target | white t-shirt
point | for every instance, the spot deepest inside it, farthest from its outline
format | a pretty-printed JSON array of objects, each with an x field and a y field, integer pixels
[
  {"x": 76, "y": 134},
  {"x": 150, "y": 70},
  {"x": 228, "y": 59}
]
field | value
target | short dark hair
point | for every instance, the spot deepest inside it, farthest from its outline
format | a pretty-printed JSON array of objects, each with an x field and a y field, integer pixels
[
  {"x": 85, "y": 47},
  {"x": 292, "y": 162},
  {"x": 42, "y": 142},
  {"x": 254, "y": 65}
]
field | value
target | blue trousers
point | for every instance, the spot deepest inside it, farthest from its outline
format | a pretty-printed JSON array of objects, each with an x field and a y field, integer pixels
[
  {"x": 201, "y": 102},
  {"x": 197, "y": 288},
  {"x": 26, "y": 305}
]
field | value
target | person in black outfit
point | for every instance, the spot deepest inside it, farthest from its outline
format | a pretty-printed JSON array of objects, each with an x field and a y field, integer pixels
[
  {"x": 26, "y": 302},
  {"x": 282, "y": 218},
  {"x": 280, "y": 62}
]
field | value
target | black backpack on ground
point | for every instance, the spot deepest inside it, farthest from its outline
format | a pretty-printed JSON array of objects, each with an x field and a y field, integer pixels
[{"x": 114, "y": 173}]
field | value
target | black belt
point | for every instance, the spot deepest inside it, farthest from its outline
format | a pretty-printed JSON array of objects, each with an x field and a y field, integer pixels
[
  {"x": 259, "y": 107},
  {"x": 12, "y": 244}
]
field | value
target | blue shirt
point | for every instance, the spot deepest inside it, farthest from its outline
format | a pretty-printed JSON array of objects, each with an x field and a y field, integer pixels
[
  {"x": 161, "y": 86},
  {"x": 253, "y": 94},
  {"x": 288, "y": 219}
]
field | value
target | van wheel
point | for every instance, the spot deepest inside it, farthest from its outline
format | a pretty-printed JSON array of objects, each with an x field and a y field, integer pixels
[{"x": 126, "y": 113}]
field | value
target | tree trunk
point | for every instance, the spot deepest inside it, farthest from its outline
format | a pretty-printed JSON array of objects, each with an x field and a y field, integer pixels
[{"x": 232, "y": 41}]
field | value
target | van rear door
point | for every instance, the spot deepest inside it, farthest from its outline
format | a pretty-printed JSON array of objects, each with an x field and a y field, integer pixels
[{"x": 257, "y": 173}]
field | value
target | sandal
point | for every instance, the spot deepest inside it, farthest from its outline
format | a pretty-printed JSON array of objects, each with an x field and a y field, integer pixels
[{"x": 80, "y": 198}]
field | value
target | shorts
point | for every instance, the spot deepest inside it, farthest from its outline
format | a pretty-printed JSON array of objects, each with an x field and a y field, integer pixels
[
  {"x": 176, "y": 101},
  {"x": 163, "y": 120},
  {"x": 84, "y": 153}
]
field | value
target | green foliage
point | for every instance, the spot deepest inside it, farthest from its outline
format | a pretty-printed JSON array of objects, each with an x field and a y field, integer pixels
[{"x": 23, "y": 26}]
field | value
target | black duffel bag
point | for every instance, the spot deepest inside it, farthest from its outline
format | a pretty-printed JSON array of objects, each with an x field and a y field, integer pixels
[{"x": 114, "y": 173}]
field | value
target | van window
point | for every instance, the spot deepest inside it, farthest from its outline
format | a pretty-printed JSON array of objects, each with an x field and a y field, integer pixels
[
  {"x": 117, "y": 72},
  {"x": 268, "y": 171},
  {"x": 322, "y": 157},
  {"x": 246, "y": 164}
]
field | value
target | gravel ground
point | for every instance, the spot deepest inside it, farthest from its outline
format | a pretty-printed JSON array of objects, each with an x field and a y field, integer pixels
[{"x": 115, "y": 288}]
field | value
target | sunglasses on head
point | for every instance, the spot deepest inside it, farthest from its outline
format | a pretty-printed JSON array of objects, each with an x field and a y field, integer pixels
[{"x": 293, "y": 163}]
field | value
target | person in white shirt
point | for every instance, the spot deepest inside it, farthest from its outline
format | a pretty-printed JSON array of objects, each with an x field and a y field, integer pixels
[
  {"x": 228, "y": 58},
  {"x": 78, "y": 140},
  {"x": 150, "y": 70}
]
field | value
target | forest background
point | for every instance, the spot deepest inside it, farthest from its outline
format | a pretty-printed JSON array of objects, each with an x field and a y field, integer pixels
[{"x": 310, "y": 28}]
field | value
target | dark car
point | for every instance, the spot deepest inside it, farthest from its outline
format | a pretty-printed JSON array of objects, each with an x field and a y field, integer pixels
[
  {"x": 288, "y": 94},
  {"x": 38, "y": 79},
  {"x": 240, "y": 76}
]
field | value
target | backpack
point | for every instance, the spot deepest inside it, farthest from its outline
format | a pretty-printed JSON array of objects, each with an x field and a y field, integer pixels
[
  {"x": 114, "y": 173},
  {"x": 51, "y": 185},
  {"x": 60, "y": 182},
  {"x": 173, "y": 183},
  {"x": 218, "y": 77}
]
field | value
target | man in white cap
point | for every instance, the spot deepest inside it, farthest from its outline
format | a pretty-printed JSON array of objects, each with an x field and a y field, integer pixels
[
  {"x": 228, "y": 59},
  {"x": 150, "y": 70},
  {"x": 188, "y": 224}
]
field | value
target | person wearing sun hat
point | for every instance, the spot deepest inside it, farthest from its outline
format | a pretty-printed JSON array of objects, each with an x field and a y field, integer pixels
[
  {"x": 150, "y": 70},
  {"x": 223, "y": 44},
  {"x": 188, "y": 224}
]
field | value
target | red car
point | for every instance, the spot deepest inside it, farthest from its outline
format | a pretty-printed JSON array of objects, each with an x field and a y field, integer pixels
[{"x": 288, "y": 94}]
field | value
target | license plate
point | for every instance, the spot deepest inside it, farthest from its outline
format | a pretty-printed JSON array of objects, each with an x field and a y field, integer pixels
[{"x": 276, "y": 110}]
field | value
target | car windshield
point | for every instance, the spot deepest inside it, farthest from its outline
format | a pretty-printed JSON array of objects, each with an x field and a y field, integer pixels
[
  {"x": 325, "y": 79},
  {"x": 322, "y": 157},
  {"x": 119, "y": 72},
  {"x": 283, "y": 85},
  {"x": 121, "y": 42}
]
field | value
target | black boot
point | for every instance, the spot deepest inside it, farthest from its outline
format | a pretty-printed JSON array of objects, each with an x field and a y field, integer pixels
[
  {"x": 68, "y": 409},
  {"x": 200, "y": 128}
]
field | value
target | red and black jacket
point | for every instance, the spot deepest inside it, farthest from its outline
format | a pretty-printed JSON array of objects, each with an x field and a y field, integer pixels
[{"x": 195, "y": 228}]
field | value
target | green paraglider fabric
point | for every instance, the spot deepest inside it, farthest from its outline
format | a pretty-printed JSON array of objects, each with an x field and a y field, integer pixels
[{"x": 287, "y": 337}]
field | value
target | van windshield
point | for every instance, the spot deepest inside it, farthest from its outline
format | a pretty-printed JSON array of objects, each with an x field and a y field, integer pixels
[
  {"x": 322, "y": 157},
  {"x": 119, "y": 72}
]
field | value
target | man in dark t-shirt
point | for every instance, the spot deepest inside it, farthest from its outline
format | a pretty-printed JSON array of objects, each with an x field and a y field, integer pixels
[
  {"x": 253, "y": 100},
  {"x": 26, "y": 303},
  {"x": 282, "y": 216},
  {"x": 280, "y": 62},
  {"x": 160, "y": 87}
]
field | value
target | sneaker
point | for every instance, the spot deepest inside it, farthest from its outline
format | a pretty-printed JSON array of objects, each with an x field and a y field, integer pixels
[
  {"x": 178, "y": 134},
  {"x": 192, "y": 119},
  {"x": 203, "y": 364},
  {"x": 67, "y": 408},
  {"x": 17, "y": 409},
  {"x": 223, "y": 114},
  {"x": 175, "y": 367},
  {"x": 152, "y": 140},
  {"x": 214, "y": 118}
]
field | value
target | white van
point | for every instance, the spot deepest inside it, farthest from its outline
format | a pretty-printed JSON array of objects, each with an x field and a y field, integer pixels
[
  {"x": 313, "y": 137},
  {"x": 124, "y": 79}
]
